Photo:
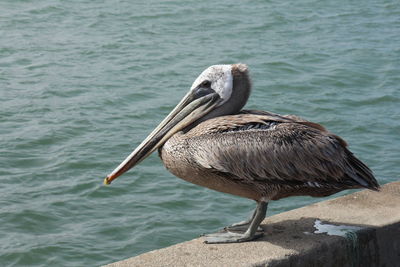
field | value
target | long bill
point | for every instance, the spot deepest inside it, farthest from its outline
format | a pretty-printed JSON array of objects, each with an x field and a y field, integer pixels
[{"x": 189, "y": 110}]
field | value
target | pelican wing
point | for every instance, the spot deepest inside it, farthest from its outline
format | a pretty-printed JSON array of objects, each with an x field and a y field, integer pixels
[{"x": 278, "y": 149}]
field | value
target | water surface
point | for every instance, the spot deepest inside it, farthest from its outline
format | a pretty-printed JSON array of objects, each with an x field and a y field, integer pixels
[{"x": 83, "y": 82}]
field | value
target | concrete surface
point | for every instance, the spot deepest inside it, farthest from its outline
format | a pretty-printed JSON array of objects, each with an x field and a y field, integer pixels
[{"x": 290, "y": 240}]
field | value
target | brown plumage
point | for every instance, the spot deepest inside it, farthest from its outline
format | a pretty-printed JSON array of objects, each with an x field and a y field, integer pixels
[
  {"x": 210, "y": 141},
  {"x": 262, "y": 155}
]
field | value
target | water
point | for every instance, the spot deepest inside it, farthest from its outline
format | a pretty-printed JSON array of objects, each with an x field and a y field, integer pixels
[{"x": 83, "y": 82}]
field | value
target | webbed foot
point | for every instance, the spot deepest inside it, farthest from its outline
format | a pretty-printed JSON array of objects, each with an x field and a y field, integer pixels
[
  {"x": 250, "y": 228},
  {"x": 237, "y": 227},
  {"x": 230, "y": 237}
]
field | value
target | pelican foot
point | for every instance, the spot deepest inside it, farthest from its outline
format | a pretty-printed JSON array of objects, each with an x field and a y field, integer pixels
[
  {"x": 240, "y": 227},
  {"x": 247, "y": 222},
  {"x": 252, "y": 229},
  {"x": 229, "y": 237}
]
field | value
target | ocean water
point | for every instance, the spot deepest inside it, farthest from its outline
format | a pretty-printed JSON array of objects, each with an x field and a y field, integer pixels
[{"x": 83, "y": 82}]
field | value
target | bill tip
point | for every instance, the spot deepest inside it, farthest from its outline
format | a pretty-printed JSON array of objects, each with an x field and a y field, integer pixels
[{"x": 106, "y": 181}]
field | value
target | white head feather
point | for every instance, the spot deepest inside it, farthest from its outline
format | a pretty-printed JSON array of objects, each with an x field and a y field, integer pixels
[{"x": 221, "y": 80}]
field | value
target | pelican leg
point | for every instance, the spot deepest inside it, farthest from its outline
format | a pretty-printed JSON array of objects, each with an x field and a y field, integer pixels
[
  {"x": 242, "y": 226},
  {"x": 250, "y": 234},
  {"x": 248, "y": 221}
]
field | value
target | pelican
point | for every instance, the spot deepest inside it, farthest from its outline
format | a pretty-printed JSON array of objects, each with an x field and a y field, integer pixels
[{"x": 208, "y": 140}]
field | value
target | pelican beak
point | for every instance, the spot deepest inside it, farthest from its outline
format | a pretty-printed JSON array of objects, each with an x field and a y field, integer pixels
[{"x": 190, "y": 109}]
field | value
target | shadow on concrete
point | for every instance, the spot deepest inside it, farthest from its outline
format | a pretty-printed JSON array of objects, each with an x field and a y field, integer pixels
[{"x": 355, "y": 249}]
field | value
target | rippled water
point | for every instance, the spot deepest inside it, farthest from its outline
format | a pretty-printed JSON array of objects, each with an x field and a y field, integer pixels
[{"x": 83, "y": 82}]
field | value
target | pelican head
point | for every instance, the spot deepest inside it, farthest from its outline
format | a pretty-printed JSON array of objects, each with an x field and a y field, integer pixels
[{"x": 219, "y": 90}]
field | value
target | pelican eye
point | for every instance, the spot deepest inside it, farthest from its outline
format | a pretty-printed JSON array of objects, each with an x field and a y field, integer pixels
[
  {"x": 203, "y": 89},
  {"x": 206, "y": 83}
]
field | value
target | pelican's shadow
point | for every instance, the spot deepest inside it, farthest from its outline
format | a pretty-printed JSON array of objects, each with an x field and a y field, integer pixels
[{"x": 356, "y": 248}]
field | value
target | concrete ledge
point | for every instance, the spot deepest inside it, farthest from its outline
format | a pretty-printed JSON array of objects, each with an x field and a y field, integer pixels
[{"x": 290, "y": 238}]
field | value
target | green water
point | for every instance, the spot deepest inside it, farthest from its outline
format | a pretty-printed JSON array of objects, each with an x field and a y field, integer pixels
[{"x": 83, "y": 82}]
